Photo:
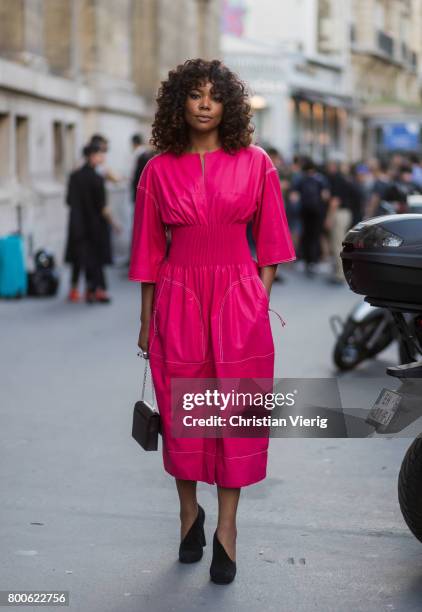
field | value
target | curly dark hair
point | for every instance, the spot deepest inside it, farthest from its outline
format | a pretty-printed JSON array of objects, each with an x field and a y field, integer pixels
[{"x": 170, "y": 132}]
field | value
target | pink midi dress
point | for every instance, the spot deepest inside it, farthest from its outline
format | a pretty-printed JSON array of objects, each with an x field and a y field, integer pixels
[{"x": 210, "y": 314}]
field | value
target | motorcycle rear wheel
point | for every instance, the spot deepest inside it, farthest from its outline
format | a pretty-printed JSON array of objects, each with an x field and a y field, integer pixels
[
  {"x": 348, "y": 353},
  {"x": 410, "y": 487}
]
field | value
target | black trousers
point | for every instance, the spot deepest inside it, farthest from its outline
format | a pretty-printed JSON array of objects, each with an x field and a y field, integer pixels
[
  {"x": 76, "y": 272},
  {"x": 94, "y": 275},
  {"x": 312, "y": 224}
]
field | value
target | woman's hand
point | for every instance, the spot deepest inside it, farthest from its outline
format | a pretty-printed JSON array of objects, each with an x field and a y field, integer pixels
[
  {"x": 267, "y": 275},
  {"x": 328, "y": 223},
  {"x": 117, "y": 227}
]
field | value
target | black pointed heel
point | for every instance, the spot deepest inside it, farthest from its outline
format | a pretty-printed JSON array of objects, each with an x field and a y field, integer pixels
[
  {"x": 190, "y": 549},
  {"x": 222, "y": 569}
]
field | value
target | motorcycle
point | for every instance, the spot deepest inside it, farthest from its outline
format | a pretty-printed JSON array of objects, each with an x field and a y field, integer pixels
[
  {"x": 368, "y": 330},
  {"x": 382, "y": 259}
]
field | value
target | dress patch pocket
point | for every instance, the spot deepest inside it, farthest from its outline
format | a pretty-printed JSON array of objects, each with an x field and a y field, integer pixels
[
  {"x": 177, "y": 325},
  {"x": 244, "y": 324}
]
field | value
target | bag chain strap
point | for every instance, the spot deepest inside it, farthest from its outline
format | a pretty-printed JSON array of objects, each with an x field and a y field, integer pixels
[{"x": 145, "y": 355}]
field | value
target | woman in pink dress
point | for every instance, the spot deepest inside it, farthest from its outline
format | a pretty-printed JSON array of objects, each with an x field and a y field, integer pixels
[{"x": 205, "y": 300}]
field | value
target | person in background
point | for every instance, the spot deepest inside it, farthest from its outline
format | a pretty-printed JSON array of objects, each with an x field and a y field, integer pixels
[
  {"x": 88, "y": 243},
  {"x": 379, "y": 188},
  {"x": 143, "y": 153},
  {"x": 287, "y": 174},
  {"x": 293, "y": 201},
  {"x": 416, "y": 169},
  {"x": 107, "y": 173},
  {"x": 312, "y": 190},
  {"x": 361, "y": 182},
  {"x": 71, "y": 256},
  {"x": 102, "y": 142},
  {"x": 339, "y": 215},
  {"x": 399, "y": 190},
  {"x": 284, "y": 177},
  {"x": 138, "y": 145},
  {"x": 370, "y": 169},
  {"x": 396, "y": 162}
]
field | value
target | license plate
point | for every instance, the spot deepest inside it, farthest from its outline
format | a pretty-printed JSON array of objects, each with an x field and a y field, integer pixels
[{"x": 384, "y": 408}]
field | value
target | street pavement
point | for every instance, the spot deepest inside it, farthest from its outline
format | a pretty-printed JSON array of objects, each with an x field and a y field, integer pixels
[{"x": 84, "y": 509}]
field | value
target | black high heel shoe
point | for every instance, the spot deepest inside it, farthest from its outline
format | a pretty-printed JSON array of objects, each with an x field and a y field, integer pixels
[
  {"x": 190, "y": 549},
  {"x": 222, "y": 569}
]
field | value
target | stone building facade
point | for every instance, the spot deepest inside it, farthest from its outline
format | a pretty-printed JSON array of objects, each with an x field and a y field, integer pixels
[{"x": 71, "y": 68}]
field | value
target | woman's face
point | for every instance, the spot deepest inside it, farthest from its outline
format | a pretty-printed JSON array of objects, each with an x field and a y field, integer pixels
[{"x": 203, "y": 110}]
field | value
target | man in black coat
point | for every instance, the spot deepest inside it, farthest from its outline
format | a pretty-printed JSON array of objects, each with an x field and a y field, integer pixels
[
  {"x": 88, "y": 243},
  {"x": 312, "y": 190}
]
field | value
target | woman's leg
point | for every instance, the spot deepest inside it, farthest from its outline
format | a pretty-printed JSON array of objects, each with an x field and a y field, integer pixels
[
  {"x": 228, "y": 499},
  {"x": 188, "y": 504}
]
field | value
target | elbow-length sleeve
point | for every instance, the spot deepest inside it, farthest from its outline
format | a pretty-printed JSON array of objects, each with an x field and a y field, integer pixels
[
  {"x": 270, "y": 229},
  {"x": 148, "y": 246}
]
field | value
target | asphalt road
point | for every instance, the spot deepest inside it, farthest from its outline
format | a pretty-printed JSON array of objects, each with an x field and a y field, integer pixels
[{"x": 85, "y": 510}]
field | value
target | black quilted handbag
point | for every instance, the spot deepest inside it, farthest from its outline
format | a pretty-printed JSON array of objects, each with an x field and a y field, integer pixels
[{"x": 146, "y": 419}]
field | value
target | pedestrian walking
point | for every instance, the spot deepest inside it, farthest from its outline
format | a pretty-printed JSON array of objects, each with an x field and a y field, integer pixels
[
  {"x": 108, "y": 174},
  {"x": 381, "y": 184},
  {"x": 88, "y": 245},
  {"x": 280, "y": 166},
  {"x": 339, "y": 215},
  {"x": 416, "y": 163},
  {"x": 310, "y": 189},
  {"x": 142, "y": 153},
  {"x": 361, "y": 182},
  {"x": 205, "y": 304},
  {"x": 400, "y": 189}
]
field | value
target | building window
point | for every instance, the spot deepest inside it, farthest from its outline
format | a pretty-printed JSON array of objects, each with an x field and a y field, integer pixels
[
  {"x": 58, "y": 150},
  {"x": 324, "y": 26},
  {"x": 385, "y": 43},
  {"x": 4, "y": 146},
  {"x": 69, "y": 143},
  {"x": 21, "y": 148},
  {"x": 63, "y": 149}
]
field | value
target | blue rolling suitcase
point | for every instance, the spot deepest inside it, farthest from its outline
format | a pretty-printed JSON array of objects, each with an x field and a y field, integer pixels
[{"x": 13, "y": 277}]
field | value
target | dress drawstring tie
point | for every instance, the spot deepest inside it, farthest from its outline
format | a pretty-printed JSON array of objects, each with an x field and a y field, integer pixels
[{"x": 283, "y": 322}]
